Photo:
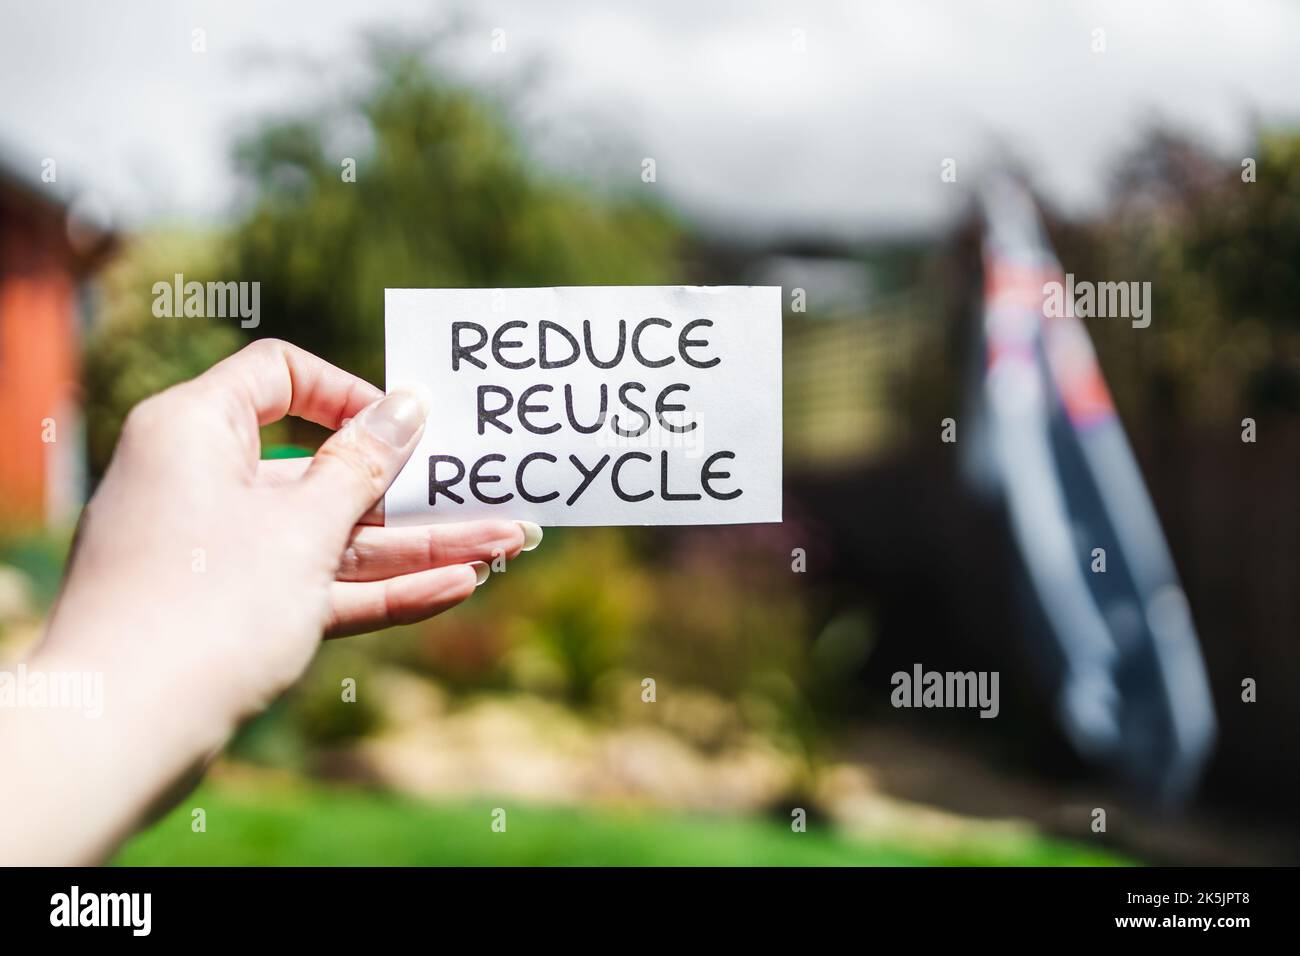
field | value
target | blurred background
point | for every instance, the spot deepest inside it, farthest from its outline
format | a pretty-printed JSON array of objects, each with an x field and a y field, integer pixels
[{"x": 835, "y": 149}]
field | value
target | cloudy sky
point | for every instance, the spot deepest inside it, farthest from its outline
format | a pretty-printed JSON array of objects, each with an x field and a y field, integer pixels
[{"x": 748, "y": 129}]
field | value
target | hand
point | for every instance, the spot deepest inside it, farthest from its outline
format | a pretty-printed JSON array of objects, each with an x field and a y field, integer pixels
[{"x": 202, "y": 579}]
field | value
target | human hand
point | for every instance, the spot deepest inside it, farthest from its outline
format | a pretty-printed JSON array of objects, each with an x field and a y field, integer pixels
[{"x": 202, "y": 579}]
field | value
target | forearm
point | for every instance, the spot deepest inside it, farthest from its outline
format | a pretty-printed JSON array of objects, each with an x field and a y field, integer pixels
[
  {"x": 79, "y": 775},
  {"x": 198, "y": 592}
]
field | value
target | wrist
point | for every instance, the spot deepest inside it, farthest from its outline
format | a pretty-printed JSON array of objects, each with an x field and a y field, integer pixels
[{"x": 96, "y": 742}]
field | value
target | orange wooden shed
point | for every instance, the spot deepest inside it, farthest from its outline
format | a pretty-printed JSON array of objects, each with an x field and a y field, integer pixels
[{"x": 46, "y": 255}]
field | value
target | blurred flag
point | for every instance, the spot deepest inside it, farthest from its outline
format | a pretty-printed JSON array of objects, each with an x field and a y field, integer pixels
[{"x": 1130, "y": 684}]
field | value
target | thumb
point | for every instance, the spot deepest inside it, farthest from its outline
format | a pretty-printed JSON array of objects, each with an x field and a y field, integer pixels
[{"x": 355, "y": 466}]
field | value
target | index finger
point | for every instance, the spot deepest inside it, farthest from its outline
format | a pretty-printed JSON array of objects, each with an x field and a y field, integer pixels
[
  {"x": 275, "y": 378},
  {"x": 277, "y": 472}
]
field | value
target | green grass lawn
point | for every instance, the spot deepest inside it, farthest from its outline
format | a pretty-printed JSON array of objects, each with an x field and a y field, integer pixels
[{"x": 313, "y": 825}]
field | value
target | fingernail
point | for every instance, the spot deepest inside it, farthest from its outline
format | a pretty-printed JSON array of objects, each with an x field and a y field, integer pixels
[
  {"x": 397, "y": 417},
  {"x": 481, "y": 571},
  {"x": 532, "y": 534}
]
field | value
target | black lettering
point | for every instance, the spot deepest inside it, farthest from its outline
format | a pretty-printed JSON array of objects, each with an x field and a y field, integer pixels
[
  {"x": 663, "y": 483},
  {"x": 636, "y": 343},
  {"x": 475, "y": 479},
  {"x": 622, "y": 343},
  {"x": 618, "y": 465},
  {"x": 490, "y": 415},
  {"x": 526, "y": 409},
  {"x": 622, "y": 395},
  {"x": 519, "y": 478},
  {"x": 436, "y": 486},
  {"x": 498, "y": 344},
  {"x": 587, "y": 476},
  {"x": 459, "y": 351},
  {"x": 707, "y": 475},
  {"x": 543, "y": 362},
  {"x": 683, "y": 343},
  {"x": 604, "y": 407},
  {"x": 661, "y": 406}
]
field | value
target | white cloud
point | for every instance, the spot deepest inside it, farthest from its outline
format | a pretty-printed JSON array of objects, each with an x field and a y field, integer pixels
[{"x": 747, "y": 132}]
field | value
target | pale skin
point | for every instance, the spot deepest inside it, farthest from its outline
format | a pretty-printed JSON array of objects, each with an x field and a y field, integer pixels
[{"x": 203, "y": 580}]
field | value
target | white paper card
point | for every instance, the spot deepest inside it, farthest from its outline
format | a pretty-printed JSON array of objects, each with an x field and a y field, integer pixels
[{"x": 691, "y": 381}]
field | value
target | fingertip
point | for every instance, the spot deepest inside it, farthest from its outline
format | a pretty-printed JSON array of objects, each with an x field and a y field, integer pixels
[
  {"x": 398, "y": 417},
  {"x": 491, "y": 539},
  {"x": 420, "y": 394},
  {"x": 509, "y": 537},
  {"x": 532, "y": 534},
  {"x": 481, "y": 572},
  {"x": 423, "y": 394},
  {"x": 467, "y": 581},
  {"x": 359, "y": 607}
]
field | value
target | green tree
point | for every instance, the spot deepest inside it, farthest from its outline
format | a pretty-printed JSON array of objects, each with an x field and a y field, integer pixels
[
  {"x": 1221, "y": 253},
  {"x": 444, "y": 195},
  {"x": 132, "y": 354}
]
